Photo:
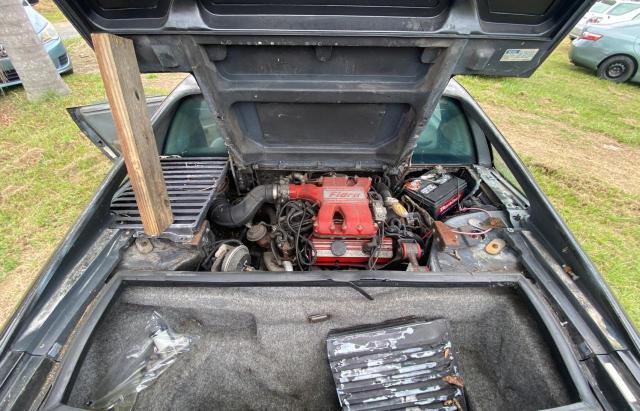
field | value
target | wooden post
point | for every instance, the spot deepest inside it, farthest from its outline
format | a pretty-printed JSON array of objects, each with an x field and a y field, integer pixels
[{"x": 121, "y": 77}]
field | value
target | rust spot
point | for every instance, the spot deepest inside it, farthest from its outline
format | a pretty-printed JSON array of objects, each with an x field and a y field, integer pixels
[
  {"x": 454, "y": 380},
  {"x": 447, "y": 238},
  {"x": 568, "y": 270},
  {"x": 446, "y": 353},
  {"x": 197, "y": 237},
  {"x": 494, "y": 222}
]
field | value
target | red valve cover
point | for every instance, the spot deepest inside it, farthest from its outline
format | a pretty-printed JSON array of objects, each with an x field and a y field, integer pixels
[
  {"x": 352, "y": 251},
  {"x": 344, "y": 206}
]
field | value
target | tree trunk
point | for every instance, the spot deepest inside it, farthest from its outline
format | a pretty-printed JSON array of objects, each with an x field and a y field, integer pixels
[{"x": 32, "y": 63}]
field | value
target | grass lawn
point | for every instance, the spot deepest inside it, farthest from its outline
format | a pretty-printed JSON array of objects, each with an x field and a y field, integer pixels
[
  {"x": 48, "y": 173},
  {"x": 579, "y": 135},
  {"x": 50, "y": 11},
  {"x": 569, "y": 94}
]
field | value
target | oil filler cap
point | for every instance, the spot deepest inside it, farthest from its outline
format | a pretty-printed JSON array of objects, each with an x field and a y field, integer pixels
[{"x": 338, "y": 248}]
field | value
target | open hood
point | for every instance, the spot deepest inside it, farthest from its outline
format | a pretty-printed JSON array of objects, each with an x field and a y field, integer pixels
[{"x": 339, "y": 83}]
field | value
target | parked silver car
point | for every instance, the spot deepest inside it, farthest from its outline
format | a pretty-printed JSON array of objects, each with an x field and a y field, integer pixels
[
  {"x": 607, "y": 12},
  {"x": 598, "y": 8}
]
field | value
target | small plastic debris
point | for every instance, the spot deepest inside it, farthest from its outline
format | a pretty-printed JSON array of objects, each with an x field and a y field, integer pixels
[{"x": 138, "y": 368}]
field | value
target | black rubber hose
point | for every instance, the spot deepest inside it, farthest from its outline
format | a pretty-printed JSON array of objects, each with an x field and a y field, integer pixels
[
  {"x": 383, "y": 190},
  {"x": 271, "y": 214},
  {"x": 226, "y": 215}
]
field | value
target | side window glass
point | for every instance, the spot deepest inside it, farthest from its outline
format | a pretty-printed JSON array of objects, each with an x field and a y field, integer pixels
[
  {"x": 194, "y": 132},
  {"x": 501, "y": 167}
]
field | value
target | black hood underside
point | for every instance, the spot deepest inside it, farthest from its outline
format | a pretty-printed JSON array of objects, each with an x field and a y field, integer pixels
[{"x": 344, "y": 84}]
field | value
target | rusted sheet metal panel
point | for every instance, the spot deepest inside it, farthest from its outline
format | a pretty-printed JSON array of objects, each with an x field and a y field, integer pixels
[{"x": 399, "y": 364}]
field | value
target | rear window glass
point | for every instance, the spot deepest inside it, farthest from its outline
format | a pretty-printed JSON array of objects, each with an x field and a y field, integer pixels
[
  {"x": 446, "y": 139},
  {"x": 624, "y": 8},
  {"x": 193, "y": 131}
]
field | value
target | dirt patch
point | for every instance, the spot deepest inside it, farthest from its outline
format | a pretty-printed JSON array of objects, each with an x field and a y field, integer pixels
[
  {"x": 8, "y": 192},
  {"x": 5, "y": 119},
  {"x": 8, "y": 110},
  {"x": 579, "y": 153},
  {"x": 583, "y": 189},
  {"x": 631, "y": 121},
  {"x": 162, "y": 81},
  {"x": 30, "y": 157},
  {"x": 82, "y": 57},
  {"x": 84, "y": 62}
]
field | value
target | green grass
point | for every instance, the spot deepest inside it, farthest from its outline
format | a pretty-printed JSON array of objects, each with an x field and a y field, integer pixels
[
  {"x": 605, "y": 221},
  {"x": 48, "y": 172},
  {"x": 570, "y": 94},
  {"x": 50, "y": 11}
]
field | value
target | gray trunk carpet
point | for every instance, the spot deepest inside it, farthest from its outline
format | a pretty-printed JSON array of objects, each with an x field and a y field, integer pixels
[{"x": 257, "y": 351}]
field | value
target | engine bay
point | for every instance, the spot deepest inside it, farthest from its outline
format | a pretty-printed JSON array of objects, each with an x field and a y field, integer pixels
[
  {"x": 432, "y": 219},
  {"x": 224, "y": 306},
  {"x": 427, "y": 220}
]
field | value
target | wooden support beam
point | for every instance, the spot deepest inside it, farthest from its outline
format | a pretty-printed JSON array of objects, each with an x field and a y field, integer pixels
[{"x": 121, "y": 77}]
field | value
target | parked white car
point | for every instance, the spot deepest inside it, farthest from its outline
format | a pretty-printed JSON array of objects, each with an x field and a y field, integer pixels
[{"x": 607, "y": 12}]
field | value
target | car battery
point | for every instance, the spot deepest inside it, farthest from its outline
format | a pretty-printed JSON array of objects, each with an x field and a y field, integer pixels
[{"x": 436, "y": 192}]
